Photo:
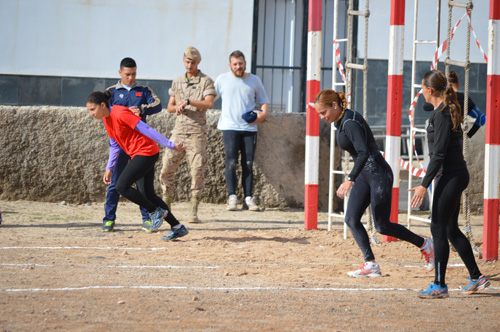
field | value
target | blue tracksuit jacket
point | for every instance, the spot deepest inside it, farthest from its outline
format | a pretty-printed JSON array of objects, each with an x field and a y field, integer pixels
[{"x": 139, "y": 95}]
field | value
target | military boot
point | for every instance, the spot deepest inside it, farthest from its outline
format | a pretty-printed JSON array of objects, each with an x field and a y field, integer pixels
[
  {"x": 168, "y": 200},
  {"x": 193, "y": 218}
]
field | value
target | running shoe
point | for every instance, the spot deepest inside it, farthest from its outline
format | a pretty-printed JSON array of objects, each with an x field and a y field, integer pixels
[
  {"x": 232, "y": 203},
  {"x": 175, "y": 233},
  {"x": 108, "y": 226},
  {"x": 434, "y": 292},
  {"x": 428, "y": 254},
  {"x": 146, "y": 226},
  {"x": 366, "y": 271},
  {"x": 249, "y": 204},
  {"x": 474, "y": 286},
  {"x": 157, "y": 218}
]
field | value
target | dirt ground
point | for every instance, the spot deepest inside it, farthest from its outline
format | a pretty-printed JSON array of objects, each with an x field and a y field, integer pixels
[{"x": 236, "y": 271}]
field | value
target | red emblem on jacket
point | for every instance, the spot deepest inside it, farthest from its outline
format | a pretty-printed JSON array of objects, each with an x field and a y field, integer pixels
[{"x": 138, "y": 94}]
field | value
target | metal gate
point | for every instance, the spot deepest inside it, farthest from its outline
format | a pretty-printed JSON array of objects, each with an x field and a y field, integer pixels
[{"x": 279, "y": 52}]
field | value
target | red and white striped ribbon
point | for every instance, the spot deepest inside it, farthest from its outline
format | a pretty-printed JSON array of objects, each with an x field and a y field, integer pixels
[
  {"x": 414, "y": 171},
  {"x": 413, "y": 105},
  {"x": 444, "y": 45},
  {"x": 477, "y": 40},
  {"x": 341, "y": 67},
  {"x": 337, "y": 58},
  {"x": 406, "y": 165},
  {"x": 415, "y": 152}
]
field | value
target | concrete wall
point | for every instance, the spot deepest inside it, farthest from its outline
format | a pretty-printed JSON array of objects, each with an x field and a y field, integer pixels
[
  {"x": 55, "y": 154},
  {"x": 89, "y": 38}
]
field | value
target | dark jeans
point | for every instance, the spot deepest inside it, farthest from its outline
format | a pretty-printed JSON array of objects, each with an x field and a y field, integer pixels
[
  {"x": 444, "y": 224},
  {"x": 141, "y": 171},
  {"x": 234, "y": 143},
  {"x": 112, "y": 196},
  {"x": 374, "y": 186}
]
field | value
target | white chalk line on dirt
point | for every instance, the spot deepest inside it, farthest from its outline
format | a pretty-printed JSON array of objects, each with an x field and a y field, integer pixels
[
  {"x": 315, "y": 289},
  {"x": 447, "y": 265},
  {"x": 80, "y": 247},
  {"x": 118, "y": 266},
  {"x": 180, "y": 266}
]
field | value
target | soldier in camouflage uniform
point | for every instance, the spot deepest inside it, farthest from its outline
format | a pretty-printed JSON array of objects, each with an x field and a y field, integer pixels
[{"x": 191, "y": 95}]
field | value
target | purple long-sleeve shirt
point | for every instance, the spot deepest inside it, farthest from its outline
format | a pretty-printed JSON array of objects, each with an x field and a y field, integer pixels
[{"x": 146, "y": 130}]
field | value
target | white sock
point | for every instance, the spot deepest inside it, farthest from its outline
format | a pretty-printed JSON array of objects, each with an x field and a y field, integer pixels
[
  {"x": 177, "y": 226},
  {"x": 371, "y": 264},
  {"x": 233, "y": 196},
  {"x": 426, "y": 245},
  {"x": 248, "y": 198}
]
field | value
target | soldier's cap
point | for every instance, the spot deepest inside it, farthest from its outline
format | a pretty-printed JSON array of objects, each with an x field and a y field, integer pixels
[{"x": 193, "y": 54}]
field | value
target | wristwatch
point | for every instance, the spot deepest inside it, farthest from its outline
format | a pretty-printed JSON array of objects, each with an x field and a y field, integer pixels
[
  {"x": 187, "y": 101},
  {"x": 349, "y": 178}
]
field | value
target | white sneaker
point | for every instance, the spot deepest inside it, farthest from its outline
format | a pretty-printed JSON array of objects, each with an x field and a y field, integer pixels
[
  {"x": 232, "y": 203},
  {"x": 365, "y": 271},
  {"x": 249, "y": 204},
  {"x": 428, "y": 254}
]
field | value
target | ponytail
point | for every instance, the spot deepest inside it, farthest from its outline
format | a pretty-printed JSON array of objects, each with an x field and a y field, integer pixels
[
  {"x": 436, "y": 80},
  {"x": 450, "y": 101},
  {"x": 343, "y": 101}
]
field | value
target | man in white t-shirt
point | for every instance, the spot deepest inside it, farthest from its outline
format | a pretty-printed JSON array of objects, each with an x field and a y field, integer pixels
[{"x": 241, "y": 92}]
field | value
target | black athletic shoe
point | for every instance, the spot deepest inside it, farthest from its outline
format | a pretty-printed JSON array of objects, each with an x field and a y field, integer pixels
[{"x": 175, "y": 233}]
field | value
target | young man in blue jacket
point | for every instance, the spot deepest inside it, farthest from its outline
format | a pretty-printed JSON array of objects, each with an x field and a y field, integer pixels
[{"x": 142, "y": 101}]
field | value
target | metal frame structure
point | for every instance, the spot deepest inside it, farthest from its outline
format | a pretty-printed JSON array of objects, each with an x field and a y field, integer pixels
[
  {"x": 349, "y": 65},
  {"x": 333, "y": 149},
  {"x": 414, "y": 87},
  {"x": 466, "y": 65}
]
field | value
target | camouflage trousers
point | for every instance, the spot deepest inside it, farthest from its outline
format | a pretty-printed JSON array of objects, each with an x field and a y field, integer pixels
[{"x": 196, "y": 151}]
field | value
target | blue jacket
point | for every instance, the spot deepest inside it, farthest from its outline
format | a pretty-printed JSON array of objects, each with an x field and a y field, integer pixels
[{"x": 139, "y": 95}]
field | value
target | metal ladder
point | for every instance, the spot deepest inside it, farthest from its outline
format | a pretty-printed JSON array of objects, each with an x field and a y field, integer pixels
[
  {"x": 333, "y": 171},
  {"x": 350, "y": 65}
]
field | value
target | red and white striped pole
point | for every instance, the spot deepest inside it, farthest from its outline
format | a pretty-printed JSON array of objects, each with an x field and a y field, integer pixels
[
  {"x": 492, "y": 149},
  {"x": 395, "y": 101},
  {"x": 312, "y": 118}
]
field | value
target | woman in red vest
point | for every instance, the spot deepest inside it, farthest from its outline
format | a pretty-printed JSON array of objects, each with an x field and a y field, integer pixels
[{"x": 138, "y": 140}]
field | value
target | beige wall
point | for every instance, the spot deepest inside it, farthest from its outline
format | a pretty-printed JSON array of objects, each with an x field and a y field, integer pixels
[{"x": 60, "y": 153}]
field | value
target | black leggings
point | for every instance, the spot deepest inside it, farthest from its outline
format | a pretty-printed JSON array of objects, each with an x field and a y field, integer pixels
[
  {"x": 141, "y": 170},
  {"x": 234, "y": 142},
  {"x": 444, "y": 224},
  {"x": 374, "y": 186}
]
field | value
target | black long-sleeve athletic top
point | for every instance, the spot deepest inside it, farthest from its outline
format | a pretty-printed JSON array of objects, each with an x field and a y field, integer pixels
[
  {"x": 445, "y": 147},
  {"x": 355, "y": 136}
]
